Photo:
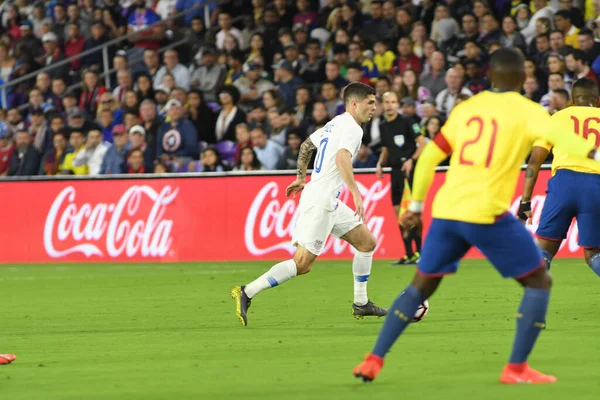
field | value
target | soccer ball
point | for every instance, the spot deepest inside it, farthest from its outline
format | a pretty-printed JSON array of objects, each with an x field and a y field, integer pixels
[{"x": 421, "y": 311}]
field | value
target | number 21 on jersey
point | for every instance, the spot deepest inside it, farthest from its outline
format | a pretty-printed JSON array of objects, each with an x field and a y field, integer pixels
[{"x": 481, "y": 125}]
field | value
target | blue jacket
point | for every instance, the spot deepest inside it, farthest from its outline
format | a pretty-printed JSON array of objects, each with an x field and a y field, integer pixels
[
  {"x": 180, "y": 141},
  {"x": 183, "y": 5},
  {"x": 114, "y": 160}
]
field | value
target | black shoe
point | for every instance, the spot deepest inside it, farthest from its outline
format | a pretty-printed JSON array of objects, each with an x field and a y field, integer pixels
[
  {"x": 242, "y": 303},
  {"x": 369, "y": 309},
  {"x": 406, "y": 260}
]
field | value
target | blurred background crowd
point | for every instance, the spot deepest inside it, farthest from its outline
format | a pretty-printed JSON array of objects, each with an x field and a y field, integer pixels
[{"x": 142, "y": 86}]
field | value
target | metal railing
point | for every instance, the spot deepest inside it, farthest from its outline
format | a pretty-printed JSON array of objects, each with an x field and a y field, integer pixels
[{"x": 104, "y": 48}]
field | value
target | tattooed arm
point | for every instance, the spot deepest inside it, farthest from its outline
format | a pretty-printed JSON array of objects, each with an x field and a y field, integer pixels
[
  {"x": 306, "y": 150},
  {"x": 305, "y": 153},
  {"x": 538, "y": 155}
]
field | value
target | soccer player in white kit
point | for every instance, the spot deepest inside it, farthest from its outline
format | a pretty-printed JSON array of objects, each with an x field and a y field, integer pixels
[{"x": 321, "y": 212}]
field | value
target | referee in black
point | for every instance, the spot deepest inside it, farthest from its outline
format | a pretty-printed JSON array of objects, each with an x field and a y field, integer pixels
[{"x": 399, "y": 151}]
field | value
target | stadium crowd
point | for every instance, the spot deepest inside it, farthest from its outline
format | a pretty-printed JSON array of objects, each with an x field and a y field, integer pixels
[{"x": 244, "y": 93}]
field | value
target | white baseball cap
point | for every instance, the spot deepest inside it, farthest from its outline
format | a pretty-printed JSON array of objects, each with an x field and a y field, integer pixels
[{"x": 137, "y": 129}]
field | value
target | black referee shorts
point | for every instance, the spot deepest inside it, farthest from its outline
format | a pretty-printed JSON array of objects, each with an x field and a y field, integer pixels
[{"x": 397, "y": 185}]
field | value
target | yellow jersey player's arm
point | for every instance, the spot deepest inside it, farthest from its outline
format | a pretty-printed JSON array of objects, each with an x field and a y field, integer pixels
[
  {"x": 538, "y": 154},
  {"x": 432, "y": 155}
]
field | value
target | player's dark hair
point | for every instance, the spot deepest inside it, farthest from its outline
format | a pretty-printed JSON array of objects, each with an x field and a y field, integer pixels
[
  {"x": 507, "y": 58},
  {"x": 563, "y": 13},
  {"x": 358, "y": 91},
  {"x": 585, "y": 83}
]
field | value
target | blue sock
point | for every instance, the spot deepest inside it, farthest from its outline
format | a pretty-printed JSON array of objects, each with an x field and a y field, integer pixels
[
  {"x": 531, "y": 320},
  {"x": 595, "y": 263},
  {"x": 547, "y": 258},
  {"x": 400, "y": 314}
]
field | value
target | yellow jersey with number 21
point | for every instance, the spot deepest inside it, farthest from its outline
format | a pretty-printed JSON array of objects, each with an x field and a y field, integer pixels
[{"x": 489, "y": 136}]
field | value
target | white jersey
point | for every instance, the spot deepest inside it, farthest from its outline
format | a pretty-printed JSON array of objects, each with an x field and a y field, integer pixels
[{"x": 342, "y": 132}]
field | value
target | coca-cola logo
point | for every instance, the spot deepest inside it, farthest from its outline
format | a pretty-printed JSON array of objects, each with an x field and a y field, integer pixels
[
  {"x": 133, "y": 225},
  {"x": 271, "y": 222}
]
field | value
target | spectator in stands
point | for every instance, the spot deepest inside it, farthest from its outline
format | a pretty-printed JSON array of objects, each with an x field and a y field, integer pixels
[
  {"x": 172, "y": 66},
  {"x": 332, "y": 101},
  {"x": 289, "y": 160},
  {"x": 365, "y": 158},
  {"x": 30, "y": 46},
  {"x": 332, "y": 73},
  {"x": 383, "y": 85},
  {"x": 563, "y": 23},
  {"x": 303, "y": 109},
  {"x": 137, "y": 140},
  {"x": 248, "y": 161},
  {"x": 579, "y": 69},
  {"x": 209, "y": 76},
  {"x": 470, "y": 32},
  {"x": 242, "y": 138},
  {"x": 39, "y": 131},
  {"x": 383, "y": 58},
  {"x": 557, "y": 43},
  {"x": 590, "y": 48},
  {"x": 150, "y": 122},
  {"x": 151, "y": 64},
  {"x": 7, "y": 62},
  {"x": 555, "y": 81},
  {"x": 432, "y": 127},
  {"x": 135, "y": 162},
  {"x": 178, "y": 137},
  {"x": 92, "y": 153},
  {"x": 252, "y": 85},
  {"x": 406, "y": 58},
  {"x": 287, "y": 81},
  {"x": 76, "y": 121},
  {"x": 574, "y": 13},
  {"x": 230, "y": 114},
  {"x": 312, "y": 68},
  {"x": 413, "y": 88},
  {"x": 531, "y": 89},
  {"x": 542, "y": 45},
  {"x": 60, "y": 21},
  {"x": 161, "y": 96},
  {"x": 114, "y": 159},
  {"x": 542, "y": 10},
  {"x": 124, "y": 84},
  {"x": 25, "y": 159},
  {"x": 74, "y": 44},
  {"x": 14, "y": 120},
  {"x": 140, "y": 22},
  {"x": 74, "y": 15},
  {"x": 475, "y": 82},
  {"x": 434, "y": 80},
  {"x": 143, "y": 88},
  {"x": 97, "y": 38},
  {"x": 369, "y": 68},
  {"x": 54, "y": 156},
  {"x": 446, "y": 98},
  {"x": 113, "y": 22},
  {"x": 7, "y": 148},
  {"x": 268, "y": 152},
  {"x": 558, "y": 101},
  {"x": 510, "y": 36},
  {"x": 202, "y": 116},
  {"x": 106, "y": 124},
  {"x": 92, "y": 91},
  {"x": 53, "y": 55},
  {"x": 226, "y": 27}
]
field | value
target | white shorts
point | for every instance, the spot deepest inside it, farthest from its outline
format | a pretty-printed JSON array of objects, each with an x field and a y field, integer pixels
[{"x": 314, "y": 224}]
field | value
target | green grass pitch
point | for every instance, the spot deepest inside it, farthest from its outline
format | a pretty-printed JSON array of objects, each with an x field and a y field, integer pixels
[{"x": 170, "y": 332}]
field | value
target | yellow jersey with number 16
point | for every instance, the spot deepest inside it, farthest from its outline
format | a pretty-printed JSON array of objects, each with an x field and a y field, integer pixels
[
  {"x": 581, "y": 121},
  {"x": 489, "y": 136}
]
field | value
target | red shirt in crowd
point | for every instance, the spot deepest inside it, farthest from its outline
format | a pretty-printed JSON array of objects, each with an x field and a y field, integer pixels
[
  {"x": 5, "y": 156},
  {"x": 400, "y": 65},
  {"x": 74, "y": 47}
]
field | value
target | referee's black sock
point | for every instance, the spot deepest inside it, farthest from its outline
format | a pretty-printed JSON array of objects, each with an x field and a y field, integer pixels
[
  {"x": 417, "y": 238},
  {"x": 407, "y": 239}
]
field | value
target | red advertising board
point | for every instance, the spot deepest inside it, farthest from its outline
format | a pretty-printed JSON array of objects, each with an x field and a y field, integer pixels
[{"x": 231, "y": 218}]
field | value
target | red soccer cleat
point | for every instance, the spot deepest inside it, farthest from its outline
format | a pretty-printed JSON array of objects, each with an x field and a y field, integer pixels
[
  {"x": 521, "y": 373},
  {"x": 368, "y": 369},
  {"x": 7, "y": 358}
]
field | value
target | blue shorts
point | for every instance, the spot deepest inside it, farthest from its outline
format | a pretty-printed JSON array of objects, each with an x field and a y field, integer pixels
[
  {"x": 505, "y": 243},
  {"x": 572, "y": 195}
]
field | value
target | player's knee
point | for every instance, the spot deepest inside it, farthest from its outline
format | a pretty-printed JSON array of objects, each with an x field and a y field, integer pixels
[
  {"x": 368, "y": 245},
  {"x": 541, "y": 279}
]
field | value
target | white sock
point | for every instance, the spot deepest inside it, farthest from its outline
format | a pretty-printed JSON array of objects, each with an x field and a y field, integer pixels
[
  {"x": 278, "y": 274},
  {"x": 361, "y": 268}
]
